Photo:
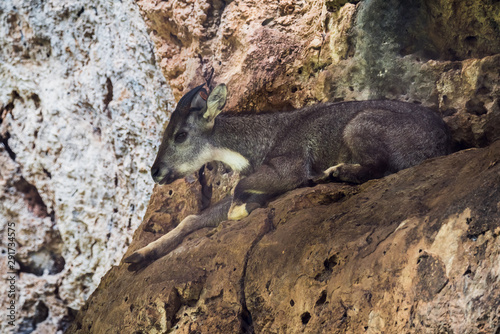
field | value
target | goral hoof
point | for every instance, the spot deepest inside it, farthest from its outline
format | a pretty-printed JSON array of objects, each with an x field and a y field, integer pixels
[{"x": 134, "y": 258}]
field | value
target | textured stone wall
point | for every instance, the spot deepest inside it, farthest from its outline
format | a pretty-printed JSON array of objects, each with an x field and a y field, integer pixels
[
  {"x": 415, "y": 252},
  {"x": 280, "y": 55},
  {"x": 82, "y": 105}
]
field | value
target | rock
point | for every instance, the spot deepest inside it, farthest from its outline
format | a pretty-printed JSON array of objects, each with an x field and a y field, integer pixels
[
  {"x": 288, "y": 54},
  {"x": 414, "y": 252},
  {"x": 333, "y": 256},
  {"x": 82, "y": 105}
]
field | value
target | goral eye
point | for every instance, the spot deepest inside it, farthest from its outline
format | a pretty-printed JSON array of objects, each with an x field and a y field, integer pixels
[{"x": 180, "y": 137}]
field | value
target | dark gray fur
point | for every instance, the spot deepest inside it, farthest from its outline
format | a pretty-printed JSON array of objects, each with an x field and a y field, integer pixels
[
  {"x": 389, "y": 134},
  {"x": 288, "y": 150}
]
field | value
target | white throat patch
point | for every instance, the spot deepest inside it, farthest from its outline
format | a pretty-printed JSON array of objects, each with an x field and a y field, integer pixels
[{"x": 235, "y": 160}]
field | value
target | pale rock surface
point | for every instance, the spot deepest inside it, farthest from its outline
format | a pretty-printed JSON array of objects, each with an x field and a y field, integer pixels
[{"x": 82, "y": 108}]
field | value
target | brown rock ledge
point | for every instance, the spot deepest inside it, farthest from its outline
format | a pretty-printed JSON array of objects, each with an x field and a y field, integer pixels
[{"x": 414, "y": 252}]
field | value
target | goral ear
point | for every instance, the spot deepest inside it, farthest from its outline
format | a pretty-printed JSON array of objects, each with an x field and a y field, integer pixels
[{"x": 215, "y": 102}]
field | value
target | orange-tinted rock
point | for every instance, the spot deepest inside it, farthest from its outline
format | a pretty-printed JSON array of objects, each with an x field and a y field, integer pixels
[{"x": 413, "y": 252}]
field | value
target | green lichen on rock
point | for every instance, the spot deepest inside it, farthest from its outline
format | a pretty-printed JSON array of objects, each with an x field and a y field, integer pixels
[{"x": 335, "y": 5}]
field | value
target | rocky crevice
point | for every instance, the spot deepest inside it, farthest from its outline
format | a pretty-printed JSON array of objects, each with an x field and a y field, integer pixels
[
  {"x": 4, "y": 139},
  {"x": 245, "y": 316},
  {"x": 4, "y": 134},
  {"x": 33, "y": 199}
]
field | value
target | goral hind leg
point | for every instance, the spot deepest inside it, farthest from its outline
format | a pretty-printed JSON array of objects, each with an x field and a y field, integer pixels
[{"x": 353, "y": 173}]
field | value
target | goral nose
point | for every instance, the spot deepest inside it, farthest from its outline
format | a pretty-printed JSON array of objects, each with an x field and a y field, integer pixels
[
  {"x": 158, "y": 172},
  {"x": 161, "y": 174}
]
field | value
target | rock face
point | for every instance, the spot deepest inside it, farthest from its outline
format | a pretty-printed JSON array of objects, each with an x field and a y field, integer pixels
[
  {"x": 414, "y": 252},
  {"x": 82, "y": 105},
  {"x": 279, "y": 55}
]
